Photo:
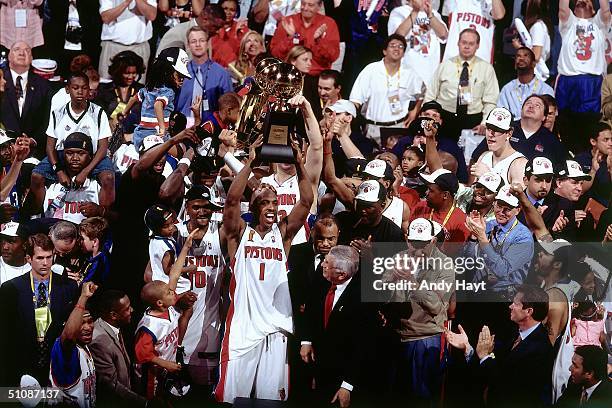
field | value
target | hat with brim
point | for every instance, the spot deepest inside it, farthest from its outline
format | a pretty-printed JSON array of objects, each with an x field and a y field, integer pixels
[
  {"x": 379, "y": 169},
  {"x": 571, "y": 169},
  {"x": 443, "y": 178},
  {"x": 200, "y": 192},
  {"x": 4, "y": 138},
  {"x": 9, "y": 229},
  {"x": 150, "y": 142},
  {"x": 504, "y": 195},
  {"x": 540, "y": 166},
  {"x": 499, "y": 119},
  {"x": 421, "y": 229},
  {"x": 551, "y": 247},
  {"x": 343, "y": 106},
  {"x": 371, "y": 192},
  {"x": 178, "y": 58},
  {"x": 491, "y": 181}
]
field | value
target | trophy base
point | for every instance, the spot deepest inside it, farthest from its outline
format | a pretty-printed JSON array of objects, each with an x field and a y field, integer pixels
[{"x": 276, "y": 153}]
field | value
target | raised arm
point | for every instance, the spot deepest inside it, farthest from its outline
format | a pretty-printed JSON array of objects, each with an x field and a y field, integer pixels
[
  {"x": 173, "y": 187},
  {"x": 533, "y": 218},
  {"x": 72, "y": 328},
  {"x": 299, "y": 213},
  {"x": 342, "y": 192},
  {"x": 564, "y": 10},
  {"x": 499, "y": 11},
  {"x": 22, "y": 150},
  {"x": 604, "y": 11},
  {"x": 432, "y": 157},
  {"x": 177, "y": 267}
]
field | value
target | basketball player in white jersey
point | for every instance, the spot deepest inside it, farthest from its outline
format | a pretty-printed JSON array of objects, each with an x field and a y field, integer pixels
[
  {"x": 72, "y": 366},
  {"x": 202, "y": 339},
  {"x": 501, "y": 158},
  {"x": 254, "y": 347}
]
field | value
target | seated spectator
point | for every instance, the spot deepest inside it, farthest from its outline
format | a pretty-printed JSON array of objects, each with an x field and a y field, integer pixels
[
  {"x": 539, "y": 174},
  {"x": 78, "y": 201},
  {"x": 80, "y": 63},
  {"x": 88, "y": 119},
  {"x": 329, "y": 90},
  {"x": 21, "y": 83},
  {"x": 589, "y": 386},
  {"x": 480, "y": 196},
  {"x": 229, "y": 36},
  {"x": 395, "y": 105},
  {"x": 312, "y": 30},
  {"x": 251, "y": 46},
  {"x": 209, "y": 81},
  {"x": 526, "y": 84},
  {"x": 13, "y": 156}
]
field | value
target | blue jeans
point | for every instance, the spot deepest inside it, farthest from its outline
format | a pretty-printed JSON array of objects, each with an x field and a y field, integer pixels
[{"x": 45, "y": 169}]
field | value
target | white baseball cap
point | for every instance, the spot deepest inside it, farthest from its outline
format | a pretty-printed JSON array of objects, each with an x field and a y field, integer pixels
[
  {"x": 4, "y": 138},
  {"x": 9, "y": 229},
  {"x": 539, "y": 166},
  {"x": 371, "y": 191},
  {"x": 491, "y": 181},
  {"x": 343, "y": 106},
  {"x": 551, "y": 247},
  {"x": 499, "y": 119},
  {"x": 573, "y": 170},
  {"x": 178, "y": 58},
  {"x": 443, "y": 178},
  {"x": 150, "y": 142},
  {"x": 506, "y": 196},
  {"x": 379, "y": 169},
  {"x": 422, "y": 229}
]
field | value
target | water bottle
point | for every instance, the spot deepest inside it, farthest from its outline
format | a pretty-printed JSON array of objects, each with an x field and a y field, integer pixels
[
  {"x": 57, "y": 202},
  {"x": 3, "y": 60}
]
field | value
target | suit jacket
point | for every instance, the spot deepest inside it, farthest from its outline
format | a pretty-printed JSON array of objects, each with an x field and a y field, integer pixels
[
  {"x": 337, "y": 346},
  {"x": 600, "y": 397},
  {"x": 521, "y": 376},
  {"x": 19, "y": 342},
  {"x": 34, "y": 117},
  {"x": 113, "y": 368}
]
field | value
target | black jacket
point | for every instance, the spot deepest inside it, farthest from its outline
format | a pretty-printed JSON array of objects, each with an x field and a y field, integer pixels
[
  {"x": 34, "y": 117},
  {"x": 17, "y": 321},
  {"x": 600, "y": 397}
]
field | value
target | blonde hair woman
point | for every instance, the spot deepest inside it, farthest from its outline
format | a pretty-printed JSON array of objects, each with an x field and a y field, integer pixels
[
  {"x": 301, "y": 58},
  {"x": 251, "y": 45}
]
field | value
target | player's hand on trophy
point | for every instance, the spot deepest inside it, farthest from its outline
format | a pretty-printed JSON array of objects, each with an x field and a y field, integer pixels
[
  {"x": 254, "y": 146},
  {"x": 297, "y": 150}
]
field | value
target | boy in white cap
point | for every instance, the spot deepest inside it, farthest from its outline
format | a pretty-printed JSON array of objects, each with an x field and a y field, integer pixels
[
  {"x": 481, "y": 195},
  {"x": 12, "y": 262},
  {"x": 501, "y": 157}
]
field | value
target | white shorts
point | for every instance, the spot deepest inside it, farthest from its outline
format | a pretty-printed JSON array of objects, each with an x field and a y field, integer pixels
[{"x": 264, "y": 370}]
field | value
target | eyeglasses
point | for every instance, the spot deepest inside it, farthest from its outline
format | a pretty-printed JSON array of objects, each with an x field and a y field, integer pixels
[{"x": 400, "y": 46}]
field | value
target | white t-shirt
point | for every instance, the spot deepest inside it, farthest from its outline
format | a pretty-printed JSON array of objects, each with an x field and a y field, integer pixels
[
  {"x": 69, "y": 209},
  {"x": 423, "y": 52},
  {"x": 541, "y": 38},
  {"x": 584, "y": 46},
  {"x": 280, "y": 8},
  {"x": 8, "y": 272},
  {"x": 476, "y": 14},
  {"x": 92, "y": 121},
  {"x": 128, "y": 28},
  {"x": 374, "y": 87},
  {"x": 60, "y": 99}
]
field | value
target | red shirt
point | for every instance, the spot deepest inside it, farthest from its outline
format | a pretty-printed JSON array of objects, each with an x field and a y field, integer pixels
[
  {"x": 325, "y": 49},
  {"x": 226, "y": 43},
  {"x": 455, "y": 224},
  {"x": 409, "y": 196}
]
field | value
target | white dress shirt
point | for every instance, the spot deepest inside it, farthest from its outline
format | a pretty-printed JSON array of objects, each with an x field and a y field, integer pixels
[{"x": 24, "y": 86}]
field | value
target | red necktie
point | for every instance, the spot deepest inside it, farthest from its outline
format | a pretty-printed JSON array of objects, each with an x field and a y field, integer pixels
[{"x": 329, "y": 304}]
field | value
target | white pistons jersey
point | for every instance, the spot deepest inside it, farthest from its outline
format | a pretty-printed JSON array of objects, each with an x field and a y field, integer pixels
[
  {"x": 288, "y": 194},
  {"x": 83, "y": 390},
  {"x": 68, "y": 208},
  {"x": 164, "y": 330},
  {"x": 203, "y": 331},
  {"x": 158, "y": 246},
  {"x": 259, "y": 292},
  {"x": 475, "y": 14},
  {"x": 395, "y": 211}
]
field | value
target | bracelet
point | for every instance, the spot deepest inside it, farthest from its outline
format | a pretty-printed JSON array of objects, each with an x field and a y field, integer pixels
[{"x": 184, "y": 160}]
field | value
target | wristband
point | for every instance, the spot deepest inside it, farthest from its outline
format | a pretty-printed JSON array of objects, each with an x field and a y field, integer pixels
[{"x": 186, "y": 161}]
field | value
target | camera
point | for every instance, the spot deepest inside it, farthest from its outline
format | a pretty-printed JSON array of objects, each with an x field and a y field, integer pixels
[{"x": 74, "y": 34}]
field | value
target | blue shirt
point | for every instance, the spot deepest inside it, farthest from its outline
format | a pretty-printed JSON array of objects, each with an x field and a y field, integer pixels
[
  {"x": 515, "y": 93},
  {"x": 507, "y": 256},
  {"x": 215, "y": 80},
  {"x": 148, "y": 99}
]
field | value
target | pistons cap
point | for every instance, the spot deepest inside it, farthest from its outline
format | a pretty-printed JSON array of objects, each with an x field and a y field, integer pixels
[
  {"x": 491, "y": 181},
  {"x": 422, "y": 229},
  {"x": 506, "y": 196},
  {"x": 443, "y": 178},
  {"x": 371, "y": 191},
  {"x": 9, "y": 229},
  {"x": 379, "y": 169},
  {"x": 499, "y": 119},
  {"x": 540, "y": 166},
  {"x": 200, "y": 192},
  {"x": 150, "y": 142},
  {"x": 178, "y": 58},
  {"x": 571, "y": 169}
]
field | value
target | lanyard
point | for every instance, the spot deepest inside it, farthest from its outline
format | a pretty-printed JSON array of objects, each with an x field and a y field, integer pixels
[
  {"x": 203, "y": 83},
  {"x": 499, "y": 244},
  {"x": 448, "y": 215},
  {"x": 48, "y": 291},
  {"x": 131, "y": 92},
  {"x": 519, "y": 95}
]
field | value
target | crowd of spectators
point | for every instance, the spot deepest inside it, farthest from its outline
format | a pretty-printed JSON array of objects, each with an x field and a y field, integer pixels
[{"x": 150, "y": 257}]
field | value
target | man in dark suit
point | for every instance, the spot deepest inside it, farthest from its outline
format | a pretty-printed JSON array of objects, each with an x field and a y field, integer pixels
[
  {"x": 333, "y": 334},
  {"x": 35, "y": 307},
  {"x": 519, "y": 373},
  {"x": 113, "y": 366},
  {"x": 26, "y": 100},
  {"x": 590, "y": 386}
]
